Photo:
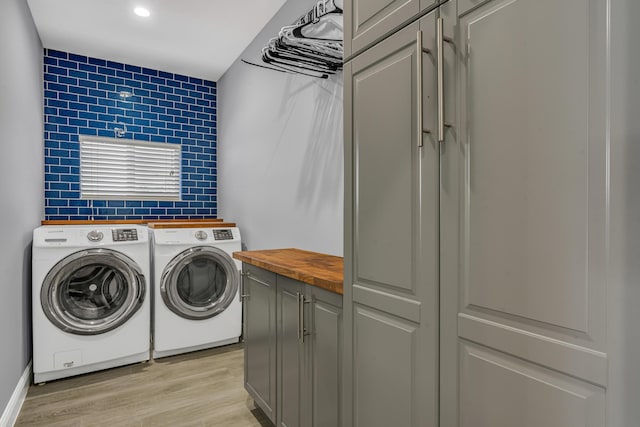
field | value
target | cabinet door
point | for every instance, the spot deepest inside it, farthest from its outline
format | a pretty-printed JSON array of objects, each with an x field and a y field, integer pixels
[
  {"x": 325, "y": 358},
  {"x": 391, "y": 233},
  {"x": 524, "y": 218},
  {"x": 291, "y": 376},
  {"x": 260, "y": 337},
  {"x": 365, "y": 21}
]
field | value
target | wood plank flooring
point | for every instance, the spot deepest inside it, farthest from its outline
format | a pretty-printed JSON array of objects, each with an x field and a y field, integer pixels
[{"x": 203, "y": 388}]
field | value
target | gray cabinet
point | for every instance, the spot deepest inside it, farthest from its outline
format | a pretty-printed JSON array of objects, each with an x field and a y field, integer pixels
[
  {"x": 391, "y": 231},
  {"x": 292, "y": 381},
  {"x": 368, "y": 20},
  {"x": 523, "y": 218},
  {"x": 477, "y": 204},
  {"x": 324, "y": 357},
  {"x": 293, "y": 349},
  {"x": 259, "y": 323},
  {"x": 309, "y": 355}
]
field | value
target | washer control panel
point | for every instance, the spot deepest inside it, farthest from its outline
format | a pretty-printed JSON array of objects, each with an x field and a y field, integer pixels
[
  {"x": 124, "y": 234},
  {"x": 222, "y": 235}
]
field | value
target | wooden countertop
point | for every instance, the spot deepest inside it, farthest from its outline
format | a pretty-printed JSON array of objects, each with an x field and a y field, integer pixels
[
  {"x": 198, "y": 224},
  {"x": 321, "y": 270},
  {"x": 127, "y": 221}
]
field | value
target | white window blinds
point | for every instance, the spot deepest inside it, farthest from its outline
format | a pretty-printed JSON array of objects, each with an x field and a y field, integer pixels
[{"x": 127, "y": 169}]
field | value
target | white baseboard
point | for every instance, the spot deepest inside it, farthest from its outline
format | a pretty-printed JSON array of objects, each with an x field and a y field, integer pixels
[{"x": 11, "y": 412}]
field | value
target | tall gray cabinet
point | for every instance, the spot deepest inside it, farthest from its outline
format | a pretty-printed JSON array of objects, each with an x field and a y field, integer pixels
[
  {"x": 523, "y": 218},
  {"x": 392, "y": 240},
  {"x": 484, "y": 278}
]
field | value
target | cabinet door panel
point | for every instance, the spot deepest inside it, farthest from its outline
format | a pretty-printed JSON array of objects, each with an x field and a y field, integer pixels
[
  {"x": 394, "y": 181},
  {"x": 290, "y": 354},
  {"x": 528, "y": 182},
  {"x": 524, "y": 200},
  {"x": 386, "y": 169},
  {"x": 367, "y": 20},
  {"x": 498, "y": 390},
  {"x": 391, "y": 255},
  {"x": 533, "y": 167},
  {"x": 260, "y": 337},
  {"x": 326, "y": 364},
  {"x": 384, "y": 382}
]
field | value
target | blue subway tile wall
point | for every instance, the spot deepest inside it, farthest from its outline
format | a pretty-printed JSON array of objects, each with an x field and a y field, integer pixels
[{"x": 82, "y": 96}]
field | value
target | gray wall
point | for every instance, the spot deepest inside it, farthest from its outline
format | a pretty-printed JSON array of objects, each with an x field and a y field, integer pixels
[
  {"x": 280, "y": 169},
  {"x": 21, "y": 186}
]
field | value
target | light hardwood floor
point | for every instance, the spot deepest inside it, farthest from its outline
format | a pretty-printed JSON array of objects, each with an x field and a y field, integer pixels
[{"x": 203, "y": 388}]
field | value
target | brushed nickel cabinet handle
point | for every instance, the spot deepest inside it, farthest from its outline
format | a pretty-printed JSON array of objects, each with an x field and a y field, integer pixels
[
  {"x": 300, "y": 317},
  {"x": 242, "y": 293},
  {"x": 419, "y": 70},
  {"x": 441, "y": 39},
  {"x": 303, "y": 326},
  {"x": 440, "y": 65},
  {"x": 419, "y": 86}
]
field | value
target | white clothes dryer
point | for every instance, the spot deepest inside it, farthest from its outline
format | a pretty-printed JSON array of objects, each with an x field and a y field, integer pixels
[
  {"x": 90, "y": 301},
  {"x": 196, "y": 303}
]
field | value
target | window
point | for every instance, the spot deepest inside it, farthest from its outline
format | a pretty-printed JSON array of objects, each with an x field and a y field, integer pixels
[{"x": 127, "y": 169}]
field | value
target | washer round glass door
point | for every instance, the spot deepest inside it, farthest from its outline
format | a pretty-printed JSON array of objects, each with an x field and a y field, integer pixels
[
  {"x": 92, "y": 291},
  {"x": 199, "y": 283}
]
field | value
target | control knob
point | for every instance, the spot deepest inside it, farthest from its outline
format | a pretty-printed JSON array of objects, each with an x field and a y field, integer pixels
[
  {"x": 201, "y": 235},
  {"x": 95, "y": 236}
]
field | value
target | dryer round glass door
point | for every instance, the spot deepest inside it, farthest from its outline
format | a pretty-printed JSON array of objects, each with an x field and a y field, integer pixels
[
  {"x": 199, "y": 283},
  {"x": 92, "y": 291}
]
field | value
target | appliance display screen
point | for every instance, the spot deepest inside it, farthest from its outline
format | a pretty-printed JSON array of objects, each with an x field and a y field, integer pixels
[
  {"x": 124, "y": 234},
  {"x": 222, "y": 235}
]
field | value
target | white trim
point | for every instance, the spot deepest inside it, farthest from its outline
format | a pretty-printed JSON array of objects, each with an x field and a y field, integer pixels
[{"x": 11, "y": 412}]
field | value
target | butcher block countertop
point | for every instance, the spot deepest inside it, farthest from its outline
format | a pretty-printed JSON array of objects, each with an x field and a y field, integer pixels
[
  {"x": 128, "y": 221},
  {"x": 198, "y": 224},
  {"x": 321, "y": 270}
]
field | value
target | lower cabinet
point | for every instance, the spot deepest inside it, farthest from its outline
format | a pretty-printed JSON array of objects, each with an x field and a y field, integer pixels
[
  {"x": 324, "y": 360},
  {"x": 291, "y": 356},
  {"x": 307, "y": 340},
  {"x": 259, "y": 331}
]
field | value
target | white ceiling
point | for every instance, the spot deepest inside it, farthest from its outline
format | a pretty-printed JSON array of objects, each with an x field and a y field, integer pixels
[{"x": 199, "y": 38}]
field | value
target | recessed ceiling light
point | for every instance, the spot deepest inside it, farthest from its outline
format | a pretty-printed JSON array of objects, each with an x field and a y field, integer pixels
[{"x": 141, "y": 11}]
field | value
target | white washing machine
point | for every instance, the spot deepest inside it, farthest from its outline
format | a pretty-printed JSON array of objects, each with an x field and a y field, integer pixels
[
  {"x": 196, "y": 302},
  {"x": 90, "y": 302}
]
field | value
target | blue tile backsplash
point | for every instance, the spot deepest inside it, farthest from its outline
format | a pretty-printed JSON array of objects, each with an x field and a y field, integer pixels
[{"x": 82, "y": 96}]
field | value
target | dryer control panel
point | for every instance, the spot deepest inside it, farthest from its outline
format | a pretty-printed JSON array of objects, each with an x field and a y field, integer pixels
[
  {"x": 124, "y": 234},
  {"x": 222, "y": 234}
]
